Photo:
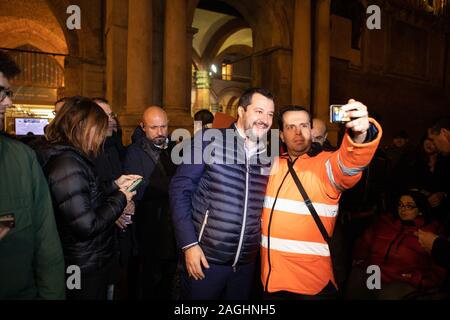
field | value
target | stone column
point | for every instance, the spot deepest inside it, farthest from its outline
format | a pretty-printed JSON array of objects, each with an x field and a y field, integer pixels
[
  {"x": 190, "y": 35},
  {"x": 175, "y": 66},
  {"x": 322, "y": 66},
  {"x": 139, "y": 65},
  {"x": 301, "y": 55},
  {"x": 272, "y": 69},
  {"x": 83, "y": 77},
  {"x": 203, "y": 87},
  {"x": 116, "y": 34},
  {"x": 139, "y": 56},
  {"x": 72, "y": 77}
]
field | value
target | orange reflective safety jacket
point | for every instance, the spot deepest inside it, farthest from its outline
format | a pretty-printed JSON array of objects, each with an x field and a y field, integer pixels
[{"x": 294, "y": 255}]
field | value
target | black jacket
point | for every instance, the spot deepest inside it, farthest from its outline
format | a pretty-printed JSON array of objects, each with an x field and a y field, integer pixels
[
  {"x": 154, "y": 227},
  {"x": 108, "y": 162},
  {"x": 85, "y": 216}
]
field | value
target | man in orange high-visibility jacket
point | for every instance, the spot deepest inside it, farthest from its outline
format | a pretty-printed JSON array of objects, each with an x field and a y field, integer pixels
[{"x": 295, "y": 258}]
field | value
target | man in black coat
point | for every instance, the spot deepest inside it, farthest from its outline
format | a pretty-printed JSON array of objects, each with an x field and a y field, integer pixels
[
  {"x": 108, "y": 165},
  {"x": 439, "y": 247},
  {"x": 150, "y": 156}
]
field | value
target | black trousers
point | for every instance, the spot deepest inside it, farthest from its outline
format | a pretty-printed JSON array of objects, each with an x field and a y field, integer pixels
[
  {"x": 94, "y": 285},
  {"x": 220, "y": 282},
  {"x": 158, "y": 278}
]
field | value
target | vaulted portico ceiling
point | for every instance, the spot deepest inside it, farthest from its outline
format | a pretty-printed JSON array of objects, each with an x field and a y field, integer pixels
[
  {"x": 240, "y": 37},
  {"x": 31, "y": 22},
  {"x": 207, "y": 22},
  {"x": 218, "y": 29}
]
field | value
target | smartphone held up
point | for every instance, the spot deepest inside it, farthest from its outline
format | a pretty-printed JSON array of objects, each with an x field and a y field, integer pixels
[{"x": 337, "y": 115}]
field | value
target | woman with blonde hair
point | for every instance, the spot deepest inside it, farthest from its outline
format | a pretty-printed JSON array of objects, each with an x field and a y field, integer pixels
[{"x": 85, "y": 211}]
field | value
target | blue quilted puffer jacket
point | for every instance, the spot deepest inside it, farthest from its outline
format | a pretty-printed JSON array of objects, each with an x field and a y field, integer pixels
[{"x": 218, "y": 204}]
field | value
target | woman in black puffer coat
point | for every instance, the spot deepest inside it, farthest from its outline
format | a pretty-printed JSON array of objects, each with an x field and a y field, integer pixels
[{"x": 85, "y": 211}]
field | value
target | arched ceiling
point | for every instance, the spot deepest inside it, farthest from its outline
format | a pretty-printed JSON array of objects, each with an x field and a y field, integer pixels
[
  {"x": 269, "y": 19},
  {"x": 32, "y": 22},
  {"x": 240, "y": 37},
  {"x": 208, "y": 23}
]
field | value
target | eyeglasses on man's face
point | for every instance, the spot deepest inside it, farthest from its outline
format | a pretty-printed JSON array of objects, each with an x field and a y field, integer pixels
[{"x": 112, "y": 115}]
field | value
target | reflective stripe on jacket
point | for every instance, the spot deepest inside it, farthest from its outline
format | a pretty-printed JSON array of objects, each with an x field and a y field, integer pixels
[{"x": 294, "y": 255}]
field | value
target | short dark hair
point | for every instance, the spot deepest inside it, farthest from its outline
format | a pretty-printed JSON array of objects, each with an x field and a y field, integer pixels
[
  {"x": 100, "y": 99},
  {"x": 205, "y": 116},
  {"x": 441, "y": 123},
  {"x": 285, "y": 109},
  {"x": 8, "y": 66},
  {"x": 246, "y": 98}
]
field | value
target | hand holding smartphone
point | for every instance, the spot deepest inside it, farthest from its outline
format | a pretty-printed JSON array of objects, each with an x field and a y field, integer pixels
[
  {"x": 135, "y": 184},
  {"x": 124, "y": 181},
  {"x": 337, "y": 115}
]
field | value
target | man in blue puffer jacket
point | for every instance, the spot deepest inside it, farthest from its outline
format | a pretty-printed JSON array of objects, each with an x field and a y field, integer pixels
[{"x": 216, "y": 202}]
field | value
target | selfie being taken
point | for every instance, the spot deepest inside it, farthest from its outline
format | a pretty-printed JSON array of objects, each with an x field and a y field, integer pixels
[{"x": 238, "y": 154}]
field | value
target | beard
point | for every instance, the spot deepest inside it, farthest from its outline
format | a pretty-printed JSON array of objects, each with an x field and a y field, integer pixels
[
  {"x": 257, "y": 130},
  {"x": 159, "y": 140}
]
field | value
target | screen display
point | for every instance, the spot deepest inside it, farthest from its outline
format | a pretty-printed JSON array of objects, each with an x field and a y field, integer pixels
[{"x": 34, "y": 125}]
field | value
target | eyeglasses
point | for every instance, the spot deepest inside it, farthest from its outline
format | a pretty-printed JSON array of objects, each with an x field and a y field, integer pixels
[
  {"x": 5, "y": 93},
  {"x": 407, "y": 207},
  {"x": 112, "y": 115}
]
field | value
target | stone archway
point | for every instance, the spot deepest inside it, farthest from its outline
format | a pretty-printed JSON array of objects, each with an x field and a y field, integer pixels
[
  {"x": 35, "y": 39},
  {"x": 229, "y": 98},
  {"x": 272, "y": 47},
  {"x": 59, "y": 8},
  {"x": 275, "y": 12},
  {"x": 84, "y": 65}
]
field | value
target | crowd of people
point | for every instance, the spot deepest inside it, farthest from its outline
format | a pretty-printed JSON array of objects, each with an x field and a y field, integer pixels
[{"x": 82, "y": 217}]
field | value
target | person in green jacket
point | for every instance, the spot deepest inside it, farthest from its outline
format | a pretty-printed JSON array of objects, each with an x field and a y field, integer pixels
[{"x": 31, "y": 257}]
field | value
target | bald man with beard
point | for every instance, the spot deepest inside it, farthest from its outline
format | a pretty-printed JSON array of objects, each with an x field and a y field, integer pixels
[{"x": 150, "y": 156}]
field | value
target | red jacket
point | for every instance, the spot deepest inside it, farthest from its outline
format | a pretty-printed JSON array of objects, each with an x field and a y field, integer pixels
[{"x": 392, "y": 246}]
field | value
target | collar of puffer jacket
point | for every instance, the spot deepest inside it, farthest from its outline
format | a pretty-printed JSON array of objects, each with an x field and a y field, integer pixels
[{"x": 47, "y": 151}]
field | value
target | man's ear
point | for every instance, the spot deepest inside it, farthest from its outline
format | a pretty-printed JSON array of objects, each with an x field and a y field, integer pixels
[
  {"x": 142, "y": 125},
  {"x": 446, "y": 133},
  {"x": 241, "y": 111},
  {"x": 282, "y": 136}
]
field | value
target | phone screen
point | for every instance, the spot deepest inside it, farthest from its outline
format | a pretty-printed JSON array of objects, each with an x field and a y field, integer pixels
[
  {"x": 135, "y": 184},
  {"x": 337, "y": 115}
]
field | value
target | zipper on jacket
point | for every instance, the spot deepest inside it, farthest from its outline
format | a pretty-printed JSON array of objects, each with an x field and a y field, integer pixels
[
  {"x": 241, "y": 238},
  {"x": 205, "y": 220}
]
